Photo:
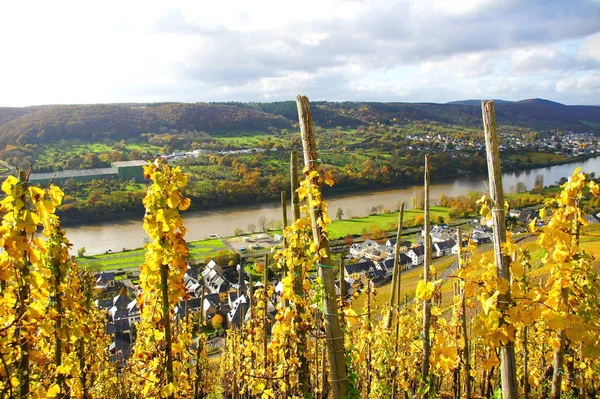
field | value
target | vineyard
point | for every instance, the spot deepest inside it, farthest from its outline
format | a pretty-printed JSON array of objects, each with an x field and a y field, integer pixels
[{"x": 515, "y": 328}]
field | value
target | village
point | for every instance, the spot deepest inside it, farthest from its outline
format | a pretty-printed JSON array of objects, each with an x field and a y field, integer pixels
[{"x": 222, "y": 292}]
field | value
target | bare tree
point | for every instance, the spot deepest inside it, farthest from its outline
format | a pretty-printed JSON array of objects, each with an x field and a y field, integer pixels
[{"x": 263, "y": 223}]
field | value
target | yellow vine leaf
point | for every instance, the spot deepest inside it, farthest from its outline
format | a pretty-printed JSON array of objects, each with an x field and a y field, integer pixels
[
  {"x": 424, "y": 290},
  {"x": 53, "y": 391}
]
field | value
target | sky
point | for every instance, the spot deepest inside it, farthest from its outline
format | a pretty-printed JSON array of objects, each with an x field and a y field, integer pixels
[{"x": 96, "y": 51}]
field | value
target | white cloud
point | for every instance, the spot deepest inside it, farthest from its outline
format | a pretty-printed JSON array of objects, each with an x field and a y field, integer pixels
[{"x": 411, "y": 50}]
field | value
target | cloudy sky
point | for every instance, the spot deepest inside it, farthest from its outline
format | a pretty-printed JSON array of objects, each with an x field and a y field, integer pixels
[{"x": 377, "y": 50}]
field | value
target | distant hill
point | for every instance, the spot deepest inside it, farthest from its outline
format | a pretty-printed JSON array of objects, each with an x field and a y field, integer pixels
[
  {"x": 476, "y": 103},
  {"x": 122, "y": 121}
]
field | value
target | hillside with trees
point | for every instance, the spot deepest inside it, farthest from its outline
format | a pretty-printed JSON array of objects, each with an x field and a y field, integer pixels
[{"x": 46, "y": 124}]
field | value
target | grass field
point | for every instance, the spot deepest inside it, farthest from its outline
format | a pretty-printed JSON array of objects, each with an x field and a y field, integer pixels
[
  {"x": 537, "y": 157},
  {"x": 121, "y": 260},
  {"x": 341, "y": 228},
  {"x": 54, "y": 155}
]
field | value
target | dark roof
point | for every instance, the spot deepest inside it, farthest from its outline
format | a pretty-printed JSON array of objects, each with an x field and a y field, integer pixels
[
  {"x": 376, "y": 276},
  {"x": 418, "y": 250},
  {"x": 121, "y": 301},
  {"x": 193, "y": 273},
  {"x": 388, "y": 263},
  {"x": 121, "y": 314},
  {"x": 445, "y": 244},
  {"x": 106, "y": 303},
  {"x": 359, "y": 267},
  {"x": 105, "y": 276},
  {"x": 67, "y": 174},
  {"x": 121, "y": 325},
  {"x": 213, "y": 299}
]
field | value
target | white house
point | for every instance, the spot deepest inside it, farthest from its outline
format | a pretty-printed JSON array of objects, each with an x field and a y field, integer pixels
[{"x": 416, "y": 254}]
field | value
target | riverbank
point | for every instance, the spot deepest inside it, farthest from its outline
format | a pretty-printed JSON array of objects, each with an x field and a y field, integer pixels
[
  {"x": 115, "y": 234},
  {"x": 539, "y": 160},
  {"x": 201, "y": 250}
]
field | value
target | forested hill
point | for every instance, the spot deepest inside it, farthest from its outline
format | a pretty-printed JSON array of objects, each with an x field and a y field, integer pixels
[{"x": 121, "y": 121}]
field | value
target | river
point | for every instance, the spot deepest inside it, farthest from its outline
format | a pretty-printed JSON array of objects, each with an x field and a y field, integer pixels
[{"x": 128, "y": 233}]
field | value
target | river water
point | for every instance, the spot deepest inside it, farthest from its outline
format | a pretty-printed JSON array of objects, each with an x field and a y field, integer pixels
[{"x": 128, "y": 233}]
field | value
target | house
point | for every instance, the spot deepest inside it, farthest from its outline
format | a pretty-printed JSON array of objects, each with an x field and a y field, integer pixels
[
  {"x": 387, "y": 265},
  {"x": 121, "y": 300},
  {"x": 377, "y": 277},
  {"x": 374, "y": 253},
  {"x": 193, "y": 306},
  {"x": 357, "y": 250},
  {"x": 194, "y": 287},
  {"x": 439, "y": 232},
  {"x": 236, "y": 315},
  {"x": 348, "y": 287},
  {"x": 514, "y": 213},
  {"x": 480, "y": 237},
  {"x": 212, "y": 265},
  {"x": 104, "y": 304},
  {"x": 356, "y": 270},
  {"x": 416, "y": 254},
  {"x": 105, "y": 280},
  {"x": 442, "y": 248},
  {"x": 215, "y": 282},
  {"x": 211, "y": 305},
  {"x": 133, "y": 312},
  {"x": 392, "y": 242}
]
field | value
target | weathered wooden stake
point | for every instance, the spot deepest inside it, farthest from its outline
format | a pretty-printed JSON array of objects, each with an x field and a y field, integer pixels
[
  {"x": 266, "y": 310},
  {"x": 395, "y": 296},
  {"x": 299, "y": 276},
  {"x": 342, "y": 285},
  {"x": 463, "y": 305},
  {"x": 199, "y": 349},
  {"x": 164, "y": 277},
  {"x": 284, "y": 269},
  {"x": 21, "y": 331},
  {"x": 427, "y": 303},
  {"x": 559, "y": 354},
  {"x": 508, "y": 370},
  {"x": 335, "y": 337}
]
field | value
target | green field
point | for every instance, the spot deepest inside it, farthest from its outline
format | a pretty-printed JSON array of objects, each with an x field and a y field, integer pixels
[
  {"x": 538, "y": 158},
  {"x": 342, "y": 228},
  {"x": 198, "y": 251}
]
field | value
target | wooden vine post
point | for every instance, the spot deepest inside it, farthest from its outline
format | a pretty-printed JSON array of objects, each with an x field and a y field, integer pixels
[
  {"x": 23, "y": 297},
  {"x": 199, "y": 349},
  {"x": 395, "y": 300},
  {"x": 559, "y": 354},
  {"x": 333, "y": 331},
  {"x": 395, "y": 296},
  {"x": 463, "y": 314},
  {"x": 508, "y": 371},
  {"x": 298, "y": 277},
  {"x": 284, "y": 221},
  {"x": 166, "y": 319},
  {"x": 426, "y": 303},
  {"x": 265, "y": 311}
]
